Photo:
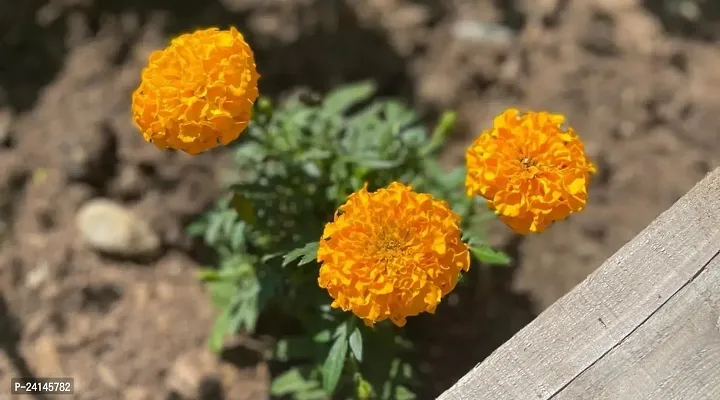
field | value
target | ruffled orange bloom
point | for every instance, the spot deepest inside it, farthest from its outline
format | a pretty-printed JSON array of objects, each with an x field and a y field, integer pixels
[
  {"x": 197, "y": 92},
  {"x": 393, "y": 253},
  {"x": 531, "y": 171}
]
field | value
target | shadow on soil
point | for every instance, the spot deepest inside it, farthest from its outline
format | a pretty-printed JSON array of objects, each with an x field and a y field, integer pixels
[
  {"x": 10, "y": 337},
  {"x": 319, "y": 59},
  {"x": 486, "y": 311},
  {"x": 481, "y": 314},
  {"x": 699, "y": 19}
]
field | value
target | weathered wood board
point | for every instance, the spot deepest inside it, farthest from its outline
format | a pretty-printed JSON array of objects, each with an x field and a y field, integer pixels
[{"x": 645, "y": 325}]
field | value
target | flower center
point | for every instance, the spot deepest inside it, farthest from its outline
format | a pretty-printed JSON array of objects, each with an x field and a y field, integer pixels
[
  {"x": 527, "y": 162},
  {"x": 389, "y": 250}
]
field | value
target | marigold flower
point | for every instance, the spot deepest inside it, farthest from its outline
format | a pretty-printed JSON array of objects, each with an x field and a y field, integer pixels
[
  {"x": 393, "y": 253},
  {"x": 197, "y": 92},
  {"x": 531, "y": 171}
]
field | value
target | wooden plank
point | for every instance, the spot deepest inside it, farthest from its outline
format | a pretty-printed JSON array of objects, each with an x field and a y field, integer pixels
[
  {"x": 674, "y": 355},
  {"x": 584, "y": 326}
]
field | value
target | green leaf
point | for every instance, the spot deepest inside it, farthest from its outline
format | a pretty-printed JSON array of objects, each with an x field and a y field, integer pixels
[
  {"x": 322, "y": 336},
  {"x": 300, "y": 347},
  {"x": 219, "y": 330},
  {"x": 291, "y": 381},
  {"x": 306, "y": 254},
  {"x": 454, "y": 178},
  {"x": 221, "y": 293},
  {"x": 340, "y": 100},
  {"x": 376, "y": 163},
  {"x": 245, "y": 316},
  {"x": 489, "y": 256},
  {"x": 314, "y": 154},
  {"x": 414, "y": 137},
  {"x": 268, "y": 257},
  {"x": 312, "y": 170},
  {"x": 214, "y": 227},
  {"x": 397, "y": 114},
  {"x": 334, "y": 363},
  {"x": 356, "y": 344},
  {"x": 243, "y": 207},
  {"x": 437, "y": 139},
  {"x": 342, "y": 330},
  {"x": 314, "y": 394},
  {"x": 237, "y": 239},
  {"x": 196, "y": 228},
  {"x": 403, "y": 393},
  {"x": 207, "y": 274}
]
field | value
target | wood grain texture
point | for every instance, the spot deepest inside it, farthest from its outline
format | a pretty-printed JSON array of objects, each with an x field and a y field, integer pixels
[
  {"x": 616, "y": 335},
  {"x": 675, "y": 354}
]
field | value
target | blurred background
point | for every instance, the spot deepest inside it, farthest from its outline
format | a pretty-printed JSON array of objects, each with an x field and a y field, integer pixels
[{"x": 638, "y": 80}]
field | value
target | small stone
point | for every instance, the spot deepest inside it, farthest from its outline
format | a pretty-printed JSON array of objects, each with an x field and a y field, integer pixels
[
  {"x": 110, "y": 228},
  {"x": 482, "y": 32}
]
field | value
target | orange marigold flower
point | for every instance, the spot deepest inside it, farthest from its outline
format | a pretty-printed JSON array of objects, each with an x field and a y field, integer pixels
[
  {"x": 531, "y": 171},
  {"x": 393, "y": 253},
  {"x": 197, "y": 92}
]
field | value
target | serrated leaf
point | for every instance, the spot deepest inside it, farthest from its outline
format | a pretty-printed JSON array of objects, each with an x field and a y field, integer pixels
[
  {"x": 356, "y": 344},
  {"x": 340, "y": 100},
  {"x": 246, "y": 312},
  {"x": 334, "y": 363},
  {"x": 306, "y": 254},
  {"x": 489, "y": 256},
  {"x": 291, "y": 381},
  {"x": 214, "y": 228},
  {"x": 311, "y": 255}
]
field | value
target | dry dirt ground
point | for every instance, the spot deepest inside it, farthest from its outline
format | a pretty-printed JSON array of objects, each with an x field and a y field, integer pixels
[{"x": 638, "y": 79}]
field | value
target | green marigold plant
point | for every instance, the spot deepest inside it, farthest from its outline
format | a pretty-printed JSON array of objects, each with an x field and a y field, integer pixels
[
  {"x": 297, "y": 163},
  {"x": 340, "y": 218}
]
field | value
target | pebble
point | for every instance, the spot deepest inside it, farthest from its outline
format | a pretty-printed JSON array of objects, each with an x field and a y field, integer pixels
[
  {"x": 482, "y": 32},
  {"x": 110, "y": 228}
]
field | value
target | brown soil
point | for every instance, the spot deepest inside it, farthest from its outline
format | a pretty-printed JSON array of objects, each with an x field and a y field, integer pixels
[{"x": 638, "y": 80}]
